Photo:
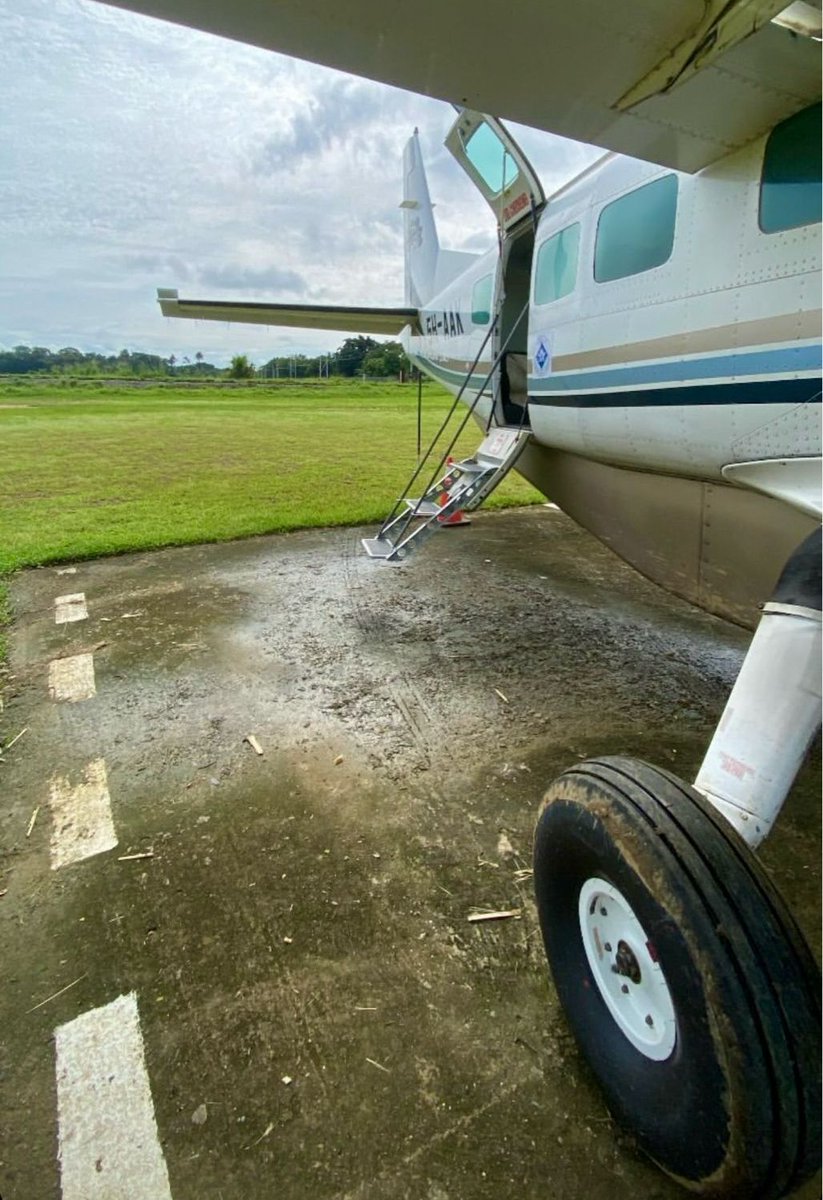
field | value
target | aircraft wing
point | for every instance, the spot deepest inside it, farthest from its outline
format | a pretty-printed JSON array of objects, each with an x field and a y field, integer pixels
[
  {"x": 301, "y": 316},
  {"x": 677, "y": 82}
]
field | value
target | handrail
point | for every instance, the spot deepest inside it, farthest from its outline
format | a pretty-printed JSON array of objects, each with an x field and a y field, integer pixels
[
  {"x": 443, "y": 425},
  {"x": 435, "y": 474},
  {"x": 480, "y": 391}
]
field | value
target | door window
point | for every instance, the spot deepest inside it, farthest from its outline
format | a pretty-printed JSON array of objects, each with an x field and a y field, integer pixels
[
  {"x": 491, "y": 159},
  {"x": 555, "y": 272}
]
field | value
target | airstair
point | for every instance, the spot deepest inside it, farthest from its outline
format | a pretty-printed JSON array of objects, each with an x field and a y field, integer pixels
[
  {"x": 463, "y": 487},
  {"x": 453, "y": 487}
]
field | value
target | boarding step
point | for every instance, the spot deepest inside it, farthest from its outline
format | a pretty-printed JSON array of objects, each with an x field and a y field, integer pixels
[
  {"x": 462, "y": 488},
  {"x": 423, "y": 508}
]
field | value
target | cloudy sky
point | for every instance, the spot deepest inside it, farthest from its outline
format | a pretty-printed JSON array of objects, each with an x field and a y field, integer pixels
[{"x": 134, "y": 154}]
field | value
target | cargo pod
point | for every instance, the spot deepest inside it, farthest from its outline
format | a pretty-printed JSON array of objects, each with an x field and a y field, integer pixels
[{"x": 500, "y": 171}]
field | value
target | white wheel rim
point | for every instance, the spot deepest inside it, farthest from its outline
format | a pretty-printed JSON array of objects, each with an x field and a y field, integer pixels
[{"x": 624, "y": 964}]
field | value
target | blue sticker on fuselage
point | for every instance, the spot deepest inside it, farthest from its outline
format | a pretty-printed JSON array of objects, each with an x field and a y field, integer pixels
[{"x": 542, "y": 356}]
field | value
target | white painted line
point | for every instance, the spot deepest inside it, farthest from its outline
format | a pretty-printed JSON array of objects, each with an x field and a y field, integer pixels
[
  {"x": 81, "y": 815},
  {"x": 72, "y": 678},
  {"x": 70, "y": 608},
  {"x": 107, "y": 1133}
]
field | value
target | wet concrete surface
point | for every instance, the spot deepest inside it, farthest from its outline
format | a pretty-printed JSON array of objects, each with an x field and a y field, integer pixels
[{"x": 305, "y": 911}]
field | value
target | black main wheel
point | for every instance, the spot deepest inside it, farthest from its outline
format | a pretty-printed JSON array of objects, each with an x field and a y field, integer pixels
[{"x": 686, "y": 982}]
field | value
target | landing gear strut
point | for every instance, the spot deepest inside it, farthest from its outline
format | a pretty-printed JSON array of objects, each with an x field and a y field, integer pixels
[{"x": 685, "y": 980}]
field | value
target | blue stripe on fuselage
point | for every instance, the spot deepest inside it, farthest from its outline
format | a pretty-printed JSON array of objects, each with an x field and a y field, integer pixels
[
  {"x": 722, "y": 367},
  {"x": 758, "y": 391}
]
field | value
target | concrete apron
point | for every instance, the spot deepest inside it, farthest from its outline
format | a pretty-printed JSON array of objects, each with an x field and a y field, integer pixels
[{"x": 230, "y": 974}]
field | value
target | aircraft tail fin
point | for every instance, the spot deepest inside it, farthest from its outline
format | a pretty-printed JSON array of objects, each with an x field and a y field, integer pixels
[{"x": 422, "y": 246}]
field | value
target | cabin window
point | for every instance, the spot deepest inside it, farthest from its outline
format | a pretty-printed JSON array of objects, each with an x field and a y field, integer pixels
[
  {"x": 482, "y": 301},
  {"x": 636, "y": 232},
  {"x": 790, "y": 186},
  {"x": 491, "y": 159},
  {"x": 556, "y": 271}
]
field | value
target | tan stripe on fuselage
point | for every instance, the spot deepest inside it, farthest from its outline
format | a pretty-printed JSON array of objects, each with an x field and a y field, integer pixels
[{"x": 791, "y": 327}]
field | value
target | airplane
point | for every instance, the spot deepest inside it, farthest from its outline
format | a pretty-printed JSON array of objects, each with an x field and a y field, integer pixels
[{"x": 644, "y": 346}]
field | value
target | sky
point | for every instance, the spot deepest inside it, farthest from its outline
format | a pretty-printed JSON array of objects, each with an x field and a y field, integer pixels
[{"x": 135, "y": 154}]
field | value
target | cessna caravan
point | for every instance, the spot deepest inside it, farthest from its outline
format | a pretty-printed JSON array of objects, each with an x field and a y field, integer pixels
[{"x": 644, "y": 346}]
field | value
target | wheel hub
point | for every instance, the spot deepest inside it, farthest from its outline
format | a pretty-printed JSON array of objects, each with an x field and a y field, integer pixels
[{"x": 624, "y": 964}]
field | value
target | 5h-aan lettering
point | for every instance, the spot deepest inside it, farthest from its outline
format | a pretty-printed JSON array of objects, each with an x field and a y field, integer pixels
[{"x": 446, "y": 324}]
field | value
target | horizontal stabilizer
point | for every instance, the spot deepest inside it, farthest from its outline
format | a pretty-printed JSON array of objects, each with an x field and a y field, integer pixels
[{"x": 301, "y": 316}]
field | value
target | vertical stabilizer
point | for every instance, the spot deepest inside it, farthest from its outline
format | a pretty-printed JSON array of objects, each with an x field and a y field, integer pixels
[{"x": 420, "y": 235}]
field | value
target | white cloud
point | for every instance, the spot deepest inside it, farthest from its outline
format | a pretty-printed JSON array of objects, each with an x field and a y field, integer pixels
[{"x": 135, "y": 154}]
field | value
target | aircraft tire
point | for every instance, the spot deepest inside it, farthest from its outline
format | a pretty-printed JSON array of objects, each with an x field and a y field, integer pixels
[{"x": 687, "y": 984}]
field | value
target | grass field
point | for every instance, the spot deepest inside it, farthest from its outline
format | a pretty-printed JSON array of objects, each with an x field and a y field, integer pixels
[{"x": 87, "y": 470}]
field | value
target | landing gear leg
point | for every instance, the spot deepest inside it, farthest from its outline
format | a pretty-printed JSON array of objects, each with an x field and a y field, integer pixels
[
  {"x": 684, "y": 978},
  {"x": 773, "y": 712}
]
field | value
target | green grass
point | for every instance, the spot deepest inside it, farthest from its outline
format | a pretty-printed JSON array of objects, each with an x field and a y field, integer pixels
[{"x": 90, "y": 470}]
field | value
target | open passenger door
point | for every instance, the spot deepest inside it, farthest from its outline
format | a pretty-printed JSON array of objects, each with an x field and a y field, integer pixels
[{"x": 497, "y": 166}]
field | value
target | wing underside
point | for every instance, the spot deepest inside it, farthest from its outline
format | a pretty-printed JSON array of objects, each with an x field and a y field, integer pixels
[
  {"x": 680, "y": 83},
  {"x": 389, "y": 321}
]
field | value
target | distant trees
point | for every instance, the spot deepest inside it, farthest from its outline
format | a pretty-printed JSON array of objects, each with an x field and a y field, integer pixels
[
  {"x": 24, "y": 359},
  {"x": 131, "y": 364},
  {"x": 241, "y": 368},
  {"x": 295, "y": 366},
  {"x": 387, "y": 360},
  {"x": 352, "y": 353},
  {"x": 356, "y": 356}
]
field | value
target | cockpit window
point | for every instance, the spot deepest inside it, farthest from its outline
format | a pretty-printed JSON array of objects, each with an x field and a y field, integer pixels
[
  {"x": 490, "y": 159},
  {"x": 482, "y": 301},
  {"x": 556, "y": 271},
  {"x": 790, "y": 186}
]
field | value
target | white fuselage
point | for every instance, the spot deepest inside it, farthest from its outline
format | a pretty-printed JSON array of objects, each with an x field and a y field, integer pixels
[
  {"x": 704, "y": 368},
  {"x": 709, "y": 360}
]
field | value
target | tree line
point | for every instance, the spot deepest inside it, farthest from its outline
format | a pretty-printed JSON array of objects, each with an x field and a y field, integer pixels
[{"x": 356, "y": 356}]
